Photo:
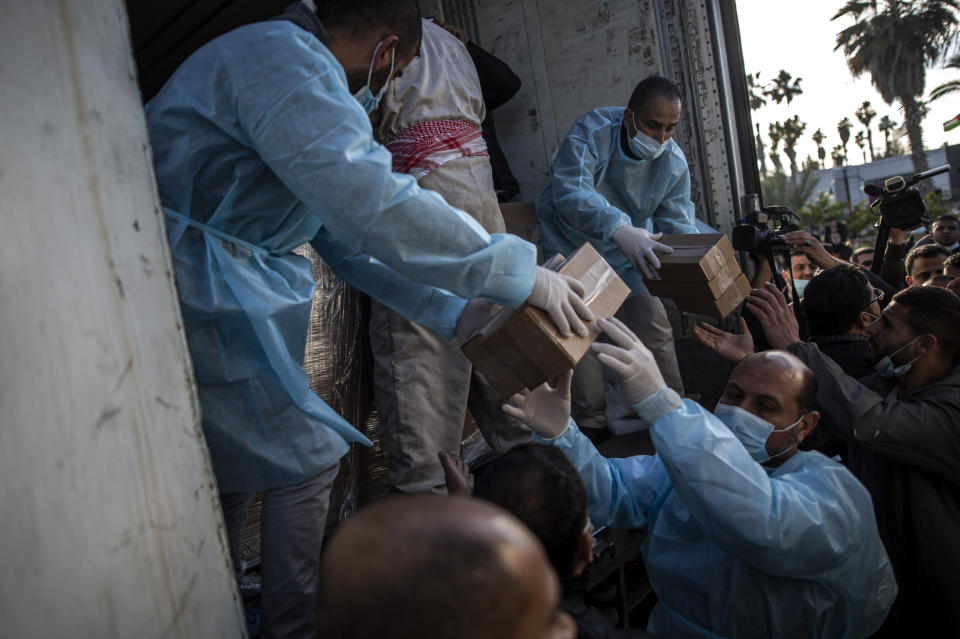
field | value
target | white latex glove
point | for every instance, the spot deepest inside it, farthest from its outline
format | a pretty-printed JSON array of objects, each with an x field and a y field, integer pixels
[
  {"x": 562, "y": 298},
  {"x": 630, "y": 359},
  {"x": 545, "y": 410},
  {"x": 641, "y": 248}
]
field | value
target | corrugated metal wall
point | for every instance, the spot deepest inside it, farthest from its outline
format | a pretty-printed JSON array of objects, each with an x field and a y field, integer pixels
[{"x": 576, "y": 55}]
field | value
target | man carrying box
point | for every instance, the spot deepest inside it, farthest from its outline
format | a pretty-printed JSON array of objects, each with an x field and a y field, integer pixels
[{"x": 619, "y": 181}]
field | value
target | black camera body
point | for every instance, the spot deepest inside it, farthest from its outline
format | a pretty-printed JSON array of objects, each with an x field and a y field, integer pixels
[
  {"x": 903, "y": 209},
  {"x": 900, "y": 207},
  {"x": 761, "y": 231}
]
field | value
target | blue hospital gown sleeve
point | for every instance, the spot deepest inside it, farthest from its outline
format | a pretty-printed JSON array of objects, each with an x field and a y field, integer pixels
[
  {"x": 620, "y": 492},
  {"x": 800, "y": 525},
  {"x": 434, "y": 308},
  {"x": 294, "y": 107},
  {"x": 573, "y": 182}
]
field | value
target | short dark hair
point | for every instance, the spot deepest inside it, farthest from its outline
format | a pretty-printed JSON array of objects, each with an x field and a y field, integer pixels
[
  {"x": 953, "y": 260},
  {"x": 834, "y": 299},
  {"x": 401, "y": 17},
  {"x": 807, "y": 395},
  {"x": 431, "y": 561},
  {"x": 860, "y": 251},
  {"x": 541, "y": 488},
  {"x": 924, "y": 250},
  {"x": 653, "y": 87},
  {"x": 946, "y": 218},
  {"x": 932, "y": 310},
  {"x": 841, "y": 229},
  {"x": 941, "y": 281}
]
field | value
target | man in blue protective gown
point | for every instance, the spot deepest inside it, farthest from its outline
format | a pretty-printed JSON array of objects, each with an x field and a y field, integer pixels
[
  {"x": 618, "y": 181},
  {"x": 747, "y": 535},
  {"x": 261, "y": 143}
]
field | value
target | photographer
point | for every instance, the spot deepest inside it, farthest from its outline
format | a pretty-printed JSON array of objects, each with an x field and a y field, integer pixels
[{"x": 901, "y": 424}]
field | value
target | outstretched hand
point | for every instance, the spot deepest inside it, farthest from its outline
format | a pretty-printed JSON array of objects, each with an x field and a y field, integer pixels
[
  {"x": 812, "y": 247},
  {"x": 731, "y": 347},
  {"x": 545, "y": 409},
  {"x": 628, "y": 357},
  {"x": 456, "y": 475},
  {"x": 775, "y": 315}
]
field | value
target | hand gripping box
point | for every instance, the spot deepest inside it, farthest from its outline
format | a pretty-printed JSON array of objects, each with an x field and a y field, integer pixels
[
  {"x": 522, "y": 348},
  {"x": 701, "y": 275}
]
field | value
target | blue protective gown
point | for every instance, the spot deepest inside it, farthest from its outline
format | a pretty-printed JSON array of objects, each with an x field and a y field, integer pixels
[
  {"x": 259, "y": 147},
  {"x": 735, "y": 549},
  {"x": 595, "y": 188}
]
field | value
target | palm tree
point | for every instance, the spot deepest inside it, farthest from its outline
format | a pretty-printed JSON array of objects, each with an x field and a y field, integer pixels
[
  {"x": 755, "y": 92},
  {"x": 886, "y": 125},
  {"x": 947, "y": 87},
  {"x": 837, "y": 155},
  {"x": 865, "y": 114},
  {"x": 843, "y": 128},
  {"x": 775, "y": 131},
  {"x": 792, "y": 129},
  {"x": 861, "y": 140},
  {"x": 894, "y": 43},
  {"x": 784, "y": 87},
  {"x": 818, "y": 138}
]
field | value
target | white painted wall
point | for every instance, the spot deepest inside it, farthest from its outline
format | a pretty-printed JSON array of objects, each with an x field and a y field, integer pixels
[{"x": 109, "y": 521}]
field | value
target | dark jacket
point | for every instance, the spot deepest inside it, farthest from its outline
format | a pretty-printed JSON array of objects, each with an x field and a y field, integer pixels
[
  {"x": 906, "y": 451},
  {"x": 849, "y": 351}
]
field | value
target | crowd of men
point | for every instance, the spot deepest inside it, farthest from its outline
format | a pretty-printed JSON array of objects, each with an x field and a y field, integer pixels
[{"x": 819, "y": 498}]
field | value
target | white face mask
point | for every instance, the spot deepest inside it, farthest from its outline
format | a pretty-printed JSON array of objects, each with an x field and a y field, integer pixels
[
  {"x": 885, "y": 366},
  {"x": 752, "y": 431},
  {"x": 643, "y": 146},
  {"x": 365, "y": 96},
  {"x": 800, "y": 284}
]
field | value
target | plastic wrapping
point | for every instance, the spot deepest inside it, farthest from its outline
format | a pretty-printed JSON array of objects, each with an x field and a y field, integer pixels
[{"x": 338, "y": 364}]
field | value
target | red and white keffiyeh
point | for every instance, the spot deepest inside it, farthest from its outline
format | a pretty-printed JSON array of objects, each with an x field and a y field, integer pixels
[{"x": 424, "y": 147}]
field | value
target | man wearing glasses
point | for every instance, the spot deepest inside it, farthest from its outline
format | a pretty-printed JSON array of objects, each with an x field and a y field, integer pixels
[{"x": 901, "y": 426}]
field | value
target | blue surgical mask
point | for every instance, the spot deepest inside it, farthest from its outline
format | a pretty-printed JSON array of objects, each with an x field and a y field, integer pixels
[
  {"x": 885, "y": 366},
  {"x": 645, "y": 147},
  {"x": 365, "y": 96},
  {"x": 801, "y": 285},
  {"x": 751, "y": 430}
]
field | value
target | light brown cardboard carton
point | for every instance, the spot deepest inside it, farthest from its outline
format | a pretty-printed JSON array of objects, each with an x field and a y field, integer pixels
[
  {"x": 522, "y": 349},
  {"x": 696, "y": 257}
]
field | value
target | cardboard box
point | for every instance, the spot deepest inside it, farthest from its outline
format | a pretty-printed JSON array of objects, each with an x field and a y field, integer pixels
[
  {"x": 721, "y": 307},
  {"x": 712, "y": 289},
  {"x": 701, "y": 275},
  {"x": 522, "y": 348},
  {"x": 696, "y": 257}
]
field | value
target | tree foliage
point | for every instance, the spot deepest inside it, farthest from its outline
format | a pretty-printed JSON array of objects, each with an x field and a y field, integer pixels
[{"x": 894, "y": 41}]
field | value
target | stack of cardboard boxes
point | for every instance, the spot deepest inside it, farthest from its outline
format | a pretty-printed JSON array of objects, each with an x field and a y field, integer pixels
[{"x": 701, "y": 275}]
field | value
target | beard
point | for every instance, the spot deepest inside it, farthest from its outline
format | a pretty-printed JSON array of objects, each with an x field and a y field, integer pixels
[{"x": 356, "y": 80}]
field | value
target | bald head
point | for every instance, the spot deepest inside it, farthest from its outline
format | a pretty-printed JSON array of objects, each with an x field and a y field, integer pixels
[
  {"x": 781, "y": 367},
  {"x": 435, "y": 566}
]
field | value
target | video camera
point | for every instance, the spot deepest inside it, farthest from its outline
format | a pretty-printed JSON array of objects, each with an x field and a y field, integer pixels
[
  {"x": 899, "y": 206},
  {"x": 761, "y": 230}
]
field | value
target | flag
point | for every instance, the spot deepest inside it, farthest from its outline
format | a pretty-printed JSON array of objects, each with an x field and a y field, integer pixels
[{"x": 951, "y": 124}]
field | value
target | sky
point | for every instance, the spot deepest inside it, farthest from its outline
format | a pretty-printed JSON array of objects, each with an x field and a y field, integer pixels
[{"x": 800, "y": 37}]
